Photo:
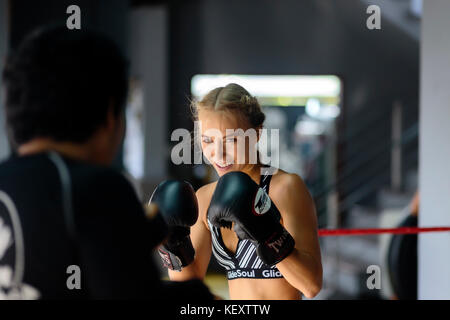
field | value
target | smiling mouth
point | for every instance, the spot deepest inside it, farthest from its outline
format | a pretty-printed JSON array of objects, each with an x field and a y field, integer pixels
[{"x": 223, "y": 167}]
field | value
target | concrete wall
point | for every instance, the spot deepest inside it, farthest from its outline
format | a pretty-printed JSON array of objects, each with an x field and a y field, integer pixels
[
  {"x": 434, "y": 151},
  {"x": 148, "y": 55}
]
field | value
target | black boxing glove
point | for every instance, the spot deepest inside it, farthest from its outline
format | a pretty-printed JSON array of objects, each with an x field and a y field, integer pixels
[
  {"x": 177, "y": 204},
  {"x": 158, "y": 226},
  {"x": 237, "y": 198}
]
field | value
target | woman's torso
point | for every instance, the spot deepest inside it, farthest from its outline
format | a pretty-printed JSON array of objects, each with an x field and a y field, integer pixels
[
  {"x": 256, "y": 289},
  {"x": 248, "y": 288}
]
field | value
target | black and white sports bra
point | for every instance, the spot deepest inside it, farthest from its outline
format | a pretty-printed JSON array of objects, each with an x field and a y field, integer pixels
[{"x": 245, "y": 263}]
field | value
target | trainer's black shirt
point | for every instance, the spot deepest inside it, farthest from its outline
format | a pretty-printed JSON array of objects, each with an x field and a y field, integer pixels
[{"x": 63, "y": 220}]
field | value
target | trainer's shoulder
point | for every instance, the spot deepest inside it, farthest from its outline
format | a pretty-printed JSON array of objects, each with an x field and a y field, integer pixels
[
  {"x": 96, "y": 176},
  {"x": 102, "y": 182}
]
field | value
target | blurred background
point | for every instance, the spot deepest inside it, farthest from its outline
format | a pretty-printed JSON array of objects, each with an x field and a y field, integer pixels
[{"x": 345, "y": 98}]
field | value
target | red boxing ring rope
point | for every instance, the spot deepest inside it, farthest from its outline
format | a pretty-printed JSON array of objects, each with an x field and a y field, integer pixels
[{"x": 372, "y": 231}]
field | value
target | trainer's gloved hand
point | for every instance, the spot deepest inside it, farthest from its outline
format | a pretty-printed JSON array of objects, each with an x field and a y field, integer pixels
[
  {"x": 158, "y": 226},
  {"x": 239, "y": 199},
  {"x": 177, "y": 203}
]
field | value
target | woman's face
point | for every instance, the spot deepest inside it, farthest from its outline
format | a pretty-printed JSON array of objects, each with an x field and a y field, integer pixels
[{"x": 226, "y": 142}]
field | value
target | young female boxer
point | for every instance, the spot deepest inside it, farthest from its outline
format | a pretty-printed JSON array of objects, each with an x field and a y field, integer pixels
[{"x": 277, "y": 253}]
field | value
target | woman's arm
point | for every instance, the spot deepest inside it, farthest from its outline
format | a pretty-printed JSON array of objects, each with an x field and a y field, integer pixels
[
  {"x": 201, "y": 241},
  {"x": 303, "y": 267}
]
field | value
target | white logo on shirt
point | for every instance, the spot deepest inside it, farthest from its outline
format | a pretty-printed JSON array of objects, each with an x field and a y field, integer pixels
[
  {"x": 262, "y": 202},
  {"x": 11, "y": 243}
]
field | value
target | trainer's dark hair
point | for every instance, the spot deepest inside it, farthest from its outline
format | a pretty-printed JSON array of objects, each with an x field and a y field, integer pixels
[{"x": 60, "y": 84}]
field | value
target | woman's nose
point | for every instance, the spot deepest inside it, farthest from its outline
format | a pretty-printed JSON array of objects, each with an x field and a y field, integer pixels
[{"x": 218, "y": 149}]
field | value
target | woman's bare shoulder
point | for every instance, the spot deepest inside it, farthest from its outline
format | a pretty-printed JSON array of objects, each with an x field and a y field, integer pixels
[
  {"x": 204, "y": 195},
  {"x": 285, "y": 184},
  {"x": 205, "y": 192}
]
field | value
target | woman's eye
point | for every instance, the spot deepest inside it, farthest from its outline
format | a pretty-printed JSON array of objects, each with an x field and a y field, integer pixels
[{"x": 206, "y": 140}]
